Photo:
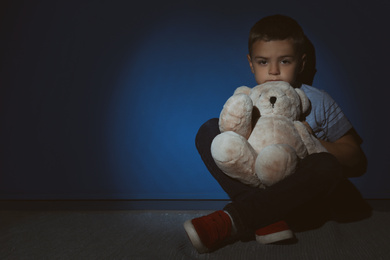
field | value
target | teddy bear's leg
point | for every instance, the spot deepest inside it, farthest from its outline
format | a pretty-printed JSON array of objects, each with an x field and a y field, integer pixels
[
  {"x": 236, "y": 115},
  {"x": 275, "y": 162},
  {"x": 235, "y": 157}
]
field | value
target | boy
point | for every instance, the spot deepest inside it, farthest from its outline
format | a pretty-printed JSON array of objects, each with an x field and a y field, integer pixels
[{"x": 278, "y": 52}]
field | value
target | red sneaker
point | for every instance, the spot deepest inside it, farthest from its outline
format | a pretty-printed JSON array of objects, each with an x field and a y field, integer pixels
[
  {"x": 274, "y": 233},
  {"x": 209, "y": 232}
]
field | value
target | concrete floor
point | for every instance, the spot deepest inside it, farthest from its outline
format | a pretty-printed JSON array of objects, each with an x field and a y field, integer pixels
[{"x": 92, "y": 233}]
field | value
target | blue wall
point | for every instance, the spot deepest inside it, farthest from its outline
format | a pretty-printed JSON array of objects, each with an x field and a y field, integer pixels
[{"x": 102, "y": 99}]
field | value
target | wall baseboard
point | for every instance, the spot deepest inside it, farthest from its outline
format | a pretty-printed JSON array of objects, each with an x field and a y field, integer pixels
[
  {"x": 112, "y": 204},
  {"x": 85, "y": 205}
]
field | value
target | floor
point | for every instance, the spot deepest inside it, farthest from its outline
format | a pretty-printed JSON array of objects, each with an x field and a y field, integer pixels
[{"x": 123, "y": 230}]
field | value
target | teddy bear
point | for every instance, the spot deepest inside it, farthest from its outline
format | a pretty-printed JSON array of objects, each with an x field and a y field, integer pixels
[{"x": 262, "y": 135}]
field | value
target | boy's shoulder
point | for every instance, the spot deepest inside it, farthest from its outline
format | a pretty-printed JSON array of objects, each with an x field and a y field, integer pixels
[
  {"x": 312, "y": 90},
  {"x": 315, "y": 94}
]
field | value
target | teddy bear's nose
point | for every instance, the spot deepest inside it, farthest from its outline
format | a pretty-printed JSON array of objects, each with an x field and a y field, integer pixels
[{"x": 272, "y": 100}]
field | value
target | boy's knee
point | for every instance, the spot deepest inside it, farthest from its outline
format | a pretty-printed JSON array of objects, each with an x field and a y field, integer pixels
[
  {"x": 211, "y": 124},
  {"x": 207, "y": 132}
]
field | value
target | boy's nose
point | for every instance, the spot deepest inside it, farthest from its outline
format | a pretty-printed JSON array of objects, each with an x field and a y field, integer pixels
[{"x": 273, "y": 69}]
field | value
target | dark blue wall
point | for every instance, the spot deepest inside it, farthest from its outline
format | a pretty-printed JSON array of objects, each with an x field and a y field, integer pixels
[{"x": 102, "y": 99}]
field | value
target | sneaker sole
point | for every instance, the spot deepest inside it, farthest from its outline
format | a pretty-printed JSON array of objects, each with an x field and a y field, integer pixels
[
  {"x": 194, "y": 238},
  {"x": 275, "y": 237}
]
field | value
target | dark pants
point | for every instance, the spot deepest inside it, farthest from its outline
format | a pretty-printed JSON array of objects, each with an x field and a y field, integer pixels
[{"x": 317, "y": 178}]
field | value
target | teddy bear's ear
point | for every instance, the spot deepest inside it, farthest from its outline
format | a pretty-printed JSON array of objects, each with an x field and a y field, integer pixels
[
  {"x": 242, "y": 90},
  {"x": 255, "y": 92},
  {"x": 304, "y": 101}
]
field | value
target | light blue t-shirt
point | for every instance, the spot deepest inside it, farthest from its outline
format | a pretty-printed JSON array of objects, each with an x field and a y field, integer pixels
[{"x": 326, "y": 118}]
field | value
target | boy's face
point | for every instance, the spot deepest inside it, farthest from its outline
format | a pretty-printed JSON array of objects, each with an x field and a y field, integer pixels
[{"x": 275, "y": 61}]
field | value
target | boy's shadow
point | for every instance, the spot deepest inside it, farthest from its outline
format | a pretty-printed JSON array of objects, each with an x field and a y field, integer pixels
[
  {"x": 309, "y": 71},
  {"x": 344, "y": 204}
]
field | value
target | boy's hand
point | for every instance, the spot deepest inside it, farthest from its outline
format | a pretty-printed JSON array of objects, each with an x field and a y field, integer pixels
[{"x": 348, "y": 152}]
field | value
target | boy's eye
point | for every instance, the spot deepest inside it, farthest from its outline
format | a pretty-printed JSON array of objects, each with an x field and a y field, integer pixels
[
  {"x": 285, "y": 62},
  {"x": 262, "y": 62}
]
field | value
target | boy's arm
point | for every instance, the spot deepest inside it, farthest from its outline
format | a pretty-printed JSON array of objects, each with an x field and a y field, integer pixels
[{"x": 348, "y": 152}]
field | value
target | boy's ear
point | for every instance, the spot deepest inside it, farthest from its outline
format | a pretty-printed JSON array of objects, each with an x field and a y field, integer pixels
[
  {"x": 303, "y": 62},
  {"x": 250, "y": 62}
]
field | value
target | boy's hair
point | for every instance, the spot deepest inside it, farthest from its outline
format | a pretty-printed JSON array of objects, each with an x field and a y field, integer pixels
[{"x": 278, "y": 27}]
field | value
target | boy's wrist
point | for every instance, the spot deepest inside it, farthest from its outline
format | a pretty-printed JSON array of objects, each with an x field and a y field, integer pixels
[{"x": 308, "y": 127}]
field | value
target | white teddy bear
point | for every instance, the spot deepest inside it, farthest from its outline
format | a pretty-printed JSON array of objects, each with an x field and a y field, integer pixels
[{"x": 261, "y": 136}]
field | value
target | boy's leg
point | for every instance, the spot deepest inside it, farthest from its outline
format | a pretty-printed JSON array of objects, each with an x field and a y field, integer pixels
[
  {"x": 316, "y": 177},
  {"x": 233, "y": 188}
]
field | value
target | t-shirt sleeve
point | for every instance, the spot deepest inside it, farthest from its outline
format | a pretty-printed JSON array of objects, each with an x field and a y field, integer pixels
[{"x": 334, "y": 124}]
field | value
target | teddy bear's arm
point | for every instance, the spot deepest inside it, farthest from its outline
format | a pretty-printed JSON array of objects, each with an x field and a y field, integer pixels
[
  {"x": 312, "y": 144},
  {"x": 236, "y": 115}
]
